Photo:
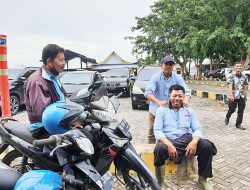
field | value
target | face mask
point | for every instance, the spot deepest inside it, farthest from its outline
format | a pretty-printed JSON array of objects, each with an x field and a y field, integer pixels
[
  {"x": 238, "y": 75},
  {"x": 54, "y": 71}
]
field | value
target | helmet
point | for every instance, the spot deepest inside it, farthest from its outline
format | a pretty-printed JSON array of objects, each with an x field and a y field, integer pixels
[
  {"x": 39, "y": 180},
  {"x": 57, "y": 116}
]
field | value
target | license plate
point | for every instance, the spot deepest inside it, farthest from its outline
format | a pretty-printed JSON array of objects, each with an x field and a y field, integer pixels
[
  {"x": 124, "y": 127},
  {"x": 112, "y": 88},
  {"x": 107, "y": 181}
]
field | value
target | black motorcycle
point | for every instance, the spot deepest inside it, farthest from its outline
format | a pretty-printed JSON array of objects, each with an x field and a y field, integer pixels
[
  {"x": 8, "y": 177},
  {"x": 73, "y": 150}
]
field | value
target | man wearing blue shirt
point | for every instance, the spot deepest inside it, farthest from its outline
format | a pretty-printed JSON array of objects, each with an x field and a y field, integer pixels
[
  {"x": 172, "y": 131},
  {"x": 157, "y": 91}
]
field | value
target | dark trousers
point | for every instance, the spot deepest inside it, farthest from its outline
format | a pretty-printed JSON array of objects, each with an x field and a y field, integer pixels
[
  {"x": 232, "y": 105},
  {"x": 205, "y": 152}
]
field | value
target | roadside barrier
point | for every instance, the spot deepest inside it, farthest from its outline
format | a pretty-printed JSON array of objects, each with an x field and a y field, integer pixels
[{"x": 4, "y": 83}]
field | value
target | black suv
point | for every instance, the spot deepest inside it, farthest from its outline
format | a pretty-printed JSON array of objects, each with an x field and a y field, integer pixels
[
  {"x": 140, "y": 84},
  {"x": 119, "y": 80},
  {"x": 17, "y": 78}
]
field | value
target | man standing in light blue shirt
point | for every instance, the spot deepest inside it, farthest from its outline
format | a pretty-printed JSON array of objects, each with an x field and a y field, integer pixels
[
  {"x": 174, "y": 140},
  {"x": 158, "y": 88}
]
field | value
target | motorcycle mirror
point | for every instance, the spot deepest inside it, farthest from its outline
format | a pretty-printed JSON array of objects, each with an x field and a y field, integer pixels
[
  {"x": 90, "y": 87},
  {"x": 97, "y": 84}
]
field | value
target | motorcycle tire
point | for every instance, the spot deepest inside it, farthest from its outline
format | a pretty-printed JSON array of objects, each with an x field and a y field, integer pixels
[
  {"x": 3, "y": 147},
  {"x": 14, "y": 159},
  {"x": 134, "y": 181}
]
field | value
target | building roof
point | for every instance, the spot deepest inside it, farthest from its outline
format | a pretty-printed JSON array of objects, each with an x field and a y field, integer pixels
[
  {"x": 114, "y": 66},
  {"x": 71, "y": 55},
  {"x": 114, "y": 58}
]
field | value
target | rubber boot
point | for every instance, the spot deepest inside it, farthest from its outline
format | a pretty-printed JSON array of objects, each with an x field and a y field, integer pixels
[
  {"x": 204, "y": 183},
  {"x": 192, "y": 168},
  {"x": 160, "y": 174}
]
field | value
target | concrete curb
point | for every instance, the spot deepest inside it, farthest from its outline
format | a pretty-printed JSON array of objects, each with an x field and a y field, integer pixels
[
  {"x": 146, "y": 153},
  {"x": 223, "y": 98}
]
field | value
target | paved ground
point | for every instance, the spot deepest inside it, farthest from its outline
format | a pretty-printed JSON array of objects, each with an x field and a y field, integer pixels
[{"x": 231, "y": 164}]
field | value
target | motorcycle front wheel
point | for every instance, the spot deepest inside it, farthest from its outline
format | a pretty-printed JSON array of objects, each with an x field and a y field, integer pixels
[
  {"x": 19, "y": 162},
  {"x": 135, "y": 181}
]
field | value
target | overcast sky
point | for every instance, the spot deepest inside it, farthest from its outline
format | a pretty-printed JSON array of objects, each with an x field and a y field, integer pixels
[{"x": 93, "y": 28}]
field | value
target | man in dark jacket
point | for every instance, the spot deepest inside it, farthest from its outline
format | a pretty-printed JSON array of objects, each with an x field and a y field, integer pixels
[{"x": 43, "y": 88}]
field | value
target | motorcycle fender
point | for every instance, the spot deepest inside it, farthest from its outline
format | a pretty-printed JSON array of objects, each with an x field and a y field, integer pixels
[
  {"x": 128, "y": 158},
  {"x": 105, "y": 182}
]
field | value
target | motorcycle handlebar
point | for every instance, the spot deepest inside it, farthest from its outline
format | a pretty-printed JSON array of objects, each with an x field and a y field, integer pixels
[{"x": 51, "y": 140}]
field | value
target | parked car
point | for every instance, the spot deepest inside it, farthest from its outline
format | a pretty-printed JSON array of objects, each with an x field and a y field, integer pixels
[
  {"x": 76, "y": 83},
  {"x": 218, "y": 74},
  {"x": 140, "y": 84},
  {"x": 119, "y": 80},
  {"x": 247, "y": 72},
  {"x": 17, "y": 77},
  {"x": 227, "y": 72}
]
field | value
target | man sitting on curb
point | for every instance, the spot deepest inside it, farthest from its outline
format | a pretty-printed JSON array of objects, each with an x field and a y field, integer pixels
[{"x": 171, "y": 129}]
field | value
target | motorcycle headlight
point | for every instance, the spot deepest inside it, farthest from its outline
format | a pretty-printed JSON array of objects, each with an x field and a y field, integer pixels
[
  {"x": 137, "y": 90},
  {"x": 119, "y": 142},
  {"x": 85, "y": 145},
  {"x": 103, "y": 115},
  {"x": 82, "y": 92}
]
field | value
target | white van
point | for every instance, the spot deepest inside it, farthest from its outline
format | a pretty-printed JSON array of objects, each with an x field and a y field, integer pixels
[
  {"x": 228, "y": 71},
  {"x": 247, "y": 72}
]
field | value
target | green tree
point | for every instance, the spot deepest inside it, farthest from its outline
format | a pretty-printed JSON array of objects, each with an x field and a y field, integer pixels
[{"x": 194, "y": 30}]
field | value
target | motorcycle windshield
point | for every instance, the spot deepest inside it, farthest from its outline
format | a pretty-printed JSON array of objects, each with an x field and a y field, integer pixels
[
  {"x": 106, "y": 104},
  {"x": 105, "y": 108}
]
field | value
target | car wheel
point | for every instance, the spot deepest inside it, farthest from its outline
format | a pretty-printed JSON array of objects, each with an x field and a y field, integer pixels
[
  {"x": 14, "y": 104},
  {"x": 134, "y": 107}
]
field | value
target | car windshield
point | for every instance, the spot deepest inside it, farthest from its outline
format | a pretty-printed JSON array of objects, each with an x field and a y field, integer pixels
[
  {"x": 76, "y": 78},
  {"x": 119, "y": 73},
  {"x": 14, "y": 73},
  {"x": 145, "y": 74}
]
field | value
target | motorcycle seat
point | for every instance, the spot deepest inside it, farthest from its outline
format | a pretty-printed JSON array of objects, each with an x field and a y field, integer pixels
[
  {"x": 20, "y": 130},
  {"x": 8, "y": 177}
]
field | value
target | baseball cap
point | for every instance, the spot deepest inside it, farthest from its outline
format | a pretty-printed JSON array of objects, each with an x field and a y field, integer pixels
[{"x": 168, "y": 58}]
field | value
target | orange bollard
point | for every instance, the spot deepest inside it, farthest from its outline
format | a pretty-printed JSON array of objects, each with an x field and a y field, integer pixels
[{"x": 4, "y": 82}]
